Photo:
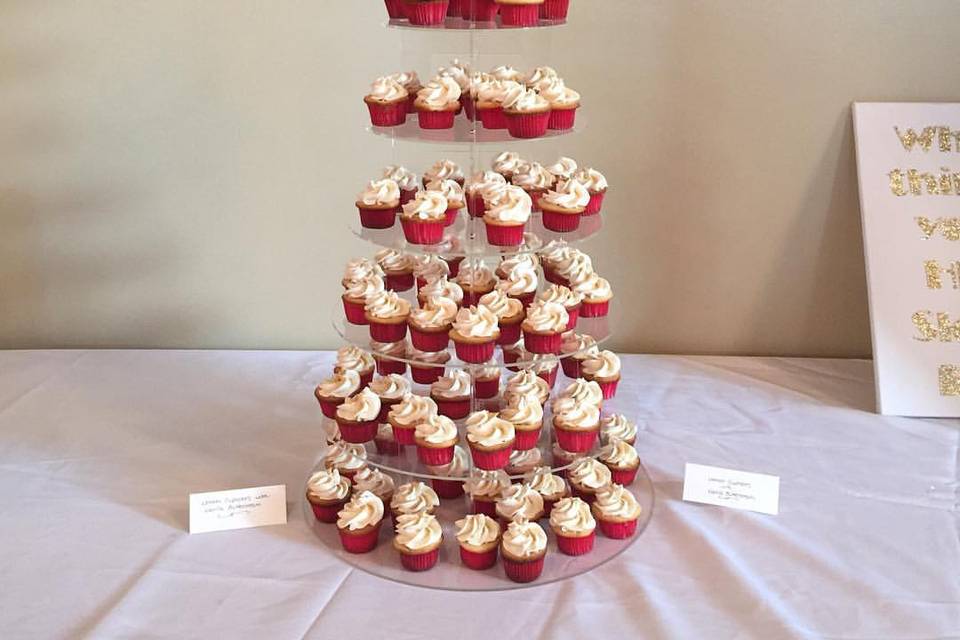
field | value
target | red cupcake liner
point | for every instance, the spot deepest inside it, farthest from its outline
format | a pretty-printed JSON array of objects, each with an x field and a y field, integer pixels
[
  {"x": 493, "y": 118},
  {"x": 399, "y": 281},
  {"x": 572, "y": 316},
  {"x": 395, "y": 9},
  {"x": 617, "y": 530},
  {"x": 406, "y": 195},
  {"x": 576, "y": 441},
  {"x": 491, "y": 460},
  {"x": 450, "y": 216},
  {"x": 571, "y": 367},
  {"x": 387, "y": 447},
  {"x": 623, "y": 476},
  {"x": 427, "y": 13},
  {"x": 435, "y": 457},
  {"x": 436, "y": 119},
  {"x": 476, "y": 206},
  {"x": 328, "y": 513},
  {"x": 589, "y": 498},
  {"x": 526, "y": 299},
  {"x": 387, "y": 332},
  {"x": 520, "y": 15},
  {"x": 609, "y": 389},
  {"x": 526, "y": 440},
  {"x": 509, "y": 358},
  {"x": 387, "y": 115},
  {"x": 484, "y": 389},
  {"x": 595, "y": 204},
  {"x": 454, "y": 9},
  {"x": 562, "y": 119},
  {"x": 377, "y": 218},
  {"x": 572, "y": 546},
  {"x": 509, "y": 333},
  {"x": 453, "y": 409},
  {"x": 454, "y": 263},
  {"x": 505, "y": 236},
  {"x": 358, "y": 432},
  {"x": 420, "y": 561},
  {"x": 385, "y": 366},
  {"x": 478, "y": 561},
  {"x": 447, "y": 489},
  {"x": 523, "y": 571},
  {"x": 535, "y": 200},
  {"x": 422, "y": 231},
  {"x": 540, "y": 343},
  {"x": 354, "y": 312},
  {"x": 469, "y": 107},
  {"x": 528, "y": 125},
  {"x": 384, "y": 411},
  {"x": 550, "y": 377},
  {"x": 594, "y": 309},
  {"x": 363, "y": 543},
  {"x": 329, "y": 407},
  {"x": 553, "y": 277},
  {"x": 365, "y": 379},
  {"x": 429, "y": 340},
  {"x": 426, "y": 375},
  {"x": 487, "y": 508},
  {"x": 412, "y": 104},
  {"x": 479, "y": 10},
  {"x": 554, "y": 9},
  {"x": 561, "y": 222},
  {"x": 403, "y": 436},
  {"x": 475, "y": 353}
]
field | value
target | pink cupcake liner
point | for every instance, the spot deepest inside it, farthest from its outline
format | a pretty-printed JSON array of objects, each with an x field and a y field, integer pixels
[
  {"x": 435, "y": 457},
  {"x": 454, "y": 9},
  {"x": 469, "y": 107},
  {"x": 550, "y": 377},
  {"x": 422, "y": 231},
  {"x": 609, "y": 389},
  {"x": 420, "y": 561},
  {"x": 354, "y": 312},
  {"x": 484, "y": 389},
  {"x": 540, "y": 343},
  {"x": 429, "y": 340},
  {"x": 572, "y": 546},
  {"x": 571, "y": 367},
  {"x": 528, "y": 125},
  {"x": 572, "y": 316},
  {"x": 426, "y": 375},
  {"x": 399, "y": 281},
  {"x": 576, "y": 441},
  {"x": 491, "y": 460},
  {"x": 385, "y": 332},
  {"x": 561, "y": 222},
  {"x": 505, "y": 236},
  {"x": 453, "y": 409},
  {"x": 387, "y": 447},
  {"x": 451, "y": 216},
  {"x": 406, "y": 195},
  {"x": 328, "y": 513},
  {"x": 554, "y": 9},
  {"x": 387, "y": 115},
  {"x": 476, "y": 206},
  {"x": 479, "y": 10},
  {"x": 427, "y": 13},
  {"x": 358, "y": 432},
  {"x": 329, "y": 407},
  {"x": 475, "y": 353},
  {"x": 509, "y": 333},
  {"x": 624, "y": 476},
  {"x": 487, "y": 508},
  {"x": 523, "y": 571},
  {"x": 478, "y": 561},
  {"x": 403, "y": 436},
  {"x": 395, "y": 9},
  {"x": 526, "y": 440},
  {"x": 595, "y": 204},
  {"x": 385, "y": 366},
  {"x": 492, "y": 118},
  {"x": 363, "y": 543},
  {"x": 562, "y": 119},
  {"x": 594, "y": 309},
  {"x": 436, "y": 119},
  {"x": 447, "y": 489},
  {"x": 377, "y": 218},
  {"x": 520, "y": 15},
  {"x": 617, "y": 530}
]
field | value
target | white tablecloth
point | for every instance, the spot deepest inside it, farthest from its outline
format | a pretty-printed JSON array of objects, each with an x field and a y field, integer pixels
[{"x": 99, "y": 449}]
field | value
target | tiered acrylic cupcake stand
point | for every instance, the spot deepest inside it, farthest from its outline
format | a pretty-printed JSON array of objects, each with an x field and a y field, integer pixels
[{"x": 470, "y": 243}]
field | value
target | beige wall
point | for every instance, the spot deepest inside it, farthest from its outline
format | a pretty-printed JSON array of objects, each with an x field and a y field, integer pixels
[{"x": 178, "y": 173}]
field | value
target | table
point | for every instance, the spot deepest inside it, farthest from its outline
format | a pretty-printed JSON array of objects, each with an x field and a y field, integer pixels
[{"x": 99, "y": 450}]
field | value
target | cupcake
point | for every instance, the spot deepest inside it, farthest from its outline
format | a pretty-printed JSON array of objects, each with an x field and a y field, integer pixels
[
  {"x": 385, "y": 442},
  {"x": 526, "y": 383},
  {"x": 479, "y": 538},
  {"x": 519, "y": 502},
  {"x": 617, "y": 426},
  {"x": 527, "y": 116},
  {"x": 486, "y": 381},
  {"x": 543, "y": 327},
  {"x": 405, "y": 179},
  {"x": 452, "y": 394},
  {"x": 355, "y": 297},
  {"x": 440, "y": 288},
  {"x": 444, "y": 170},
  {"x": 514, "y": 355},
  {"x": 424, "y": 218},
  {"x": 352, "y": 358},
  {"x": 475, "y": 279},
  {"x": 563, "y": 205},
  {"x": 426, "y": 367},
  {"x": 522, "y": 549},
  {"x": 387, "y": 103},
  {"x": 491, "y": 97},
  {"x": 359, "y": 522},
  {"x": 569, "y": 299},
  {"x": 507, "y": 213},
  {"x": 490, "y": 438},
  {"x": 574, "y": 526},
  {"x": 485, "y": 488},
  {"x": 454, "y": 473},
  {"x": 596, "y": 293},
  {"x": 359, "y": 269},
  {"x": 507, "y": 164},
  {"x": 478, "y": 187},
  {"x": 576, "y": 426},
  {"x": 525, "y": 413},
  {"x": 622, "y": 460},
  {"x": 587, "y": 477},
  {"x": 438, "y": 103},
  {"x": 418, "y": 540},
  {"x": 411, "y": 82},
  {"x": 387, "y": 314},
  {"x": 435, "y": 438},
  {"x": 479, "y": 10},
  {"x": 514, "y": 263},
  {"x": 523, "y": 462},
  {"x": 395, "y": 9},
  {"x": 358, "y": 417},
  {"x": 596, "y": 185},
  {"x": 426, "y": 12},
  {"x": 604, "y": 369},
  {"x": 407, "y": 414},
  {"x": 520, "y": 13},
  {"x": 563, "y": 169},
  {"x": 348, "y": 459},
  {"x": 391, "y": 389},
  {"x": 398, "y": 267},
  {"x": 574, "y": 349},
  {"x": 430, "y": 324},
  {"x": 572, "y": 266},
  {"x": 546, "y": 367},
  {"x": 453, "y": 192},
  {"x": 616, "y": 511},
  {"x": 550, "y": 257},
  {"x": 327, "y": 492},
  {"x": 413, "y": 497},
  {"x": 540, "y": 77},
  {"x": 474, "y": 334},
  {"x": 428, "y": 268},
  {"x": 388, "y": 356},
  {"x": 509, "y": 312},
  {"x": 378, "y": 204},
  {"x": 521, "y": 284},
  {"x": 550, "y": 486},
  {"x": 564, "y": 103},
  {"x": 535, "y": 180},
  {"x": 332, "y": 392},
  {"x": 580, "y": 391}
]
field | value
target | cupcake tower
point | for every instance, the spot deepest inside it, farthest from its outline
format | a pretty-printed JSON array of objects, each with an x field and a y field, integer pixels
[{"x": 447, "y": 415}]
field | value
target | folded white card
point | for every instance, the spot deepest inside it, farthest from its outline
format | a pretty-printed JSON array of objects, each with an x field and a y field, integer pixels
[
  {"x": 730, "y": 488},
  {"x": 238, "y": 508}
]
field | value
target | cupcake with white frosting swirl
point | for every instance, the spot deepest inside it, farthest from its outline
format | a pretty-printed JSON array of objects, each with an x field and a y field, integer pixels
[
  {"x": 453, "y": 192},
  {"x": 454, "y": 473},
  {"x": 348, "y": 459},
  {"x": 529, "y": 115},
  {"x": 386, "y": 314},
  {"x": 568, "y": 298},
  {"x": 490, "y": 438},
  {"x": 520, "y": 501},
  {"x": 525, "y": 413},
  {"x": 617, "y": 511},
  {"x": 327, "y": 492},
  {"x": 574, "y": 349},
  {"x": 522, "y": 549},
  {"x": 617, "y": 425},
  {"x": 413, "y": 497},
  {"x": 356, "y": 294},
  {"x": 353, "y": 358},
  {"x": 418, "y": 540},
  {"x": 388, "y": 356},
  {"x": 509, "y": 312},
  {"x": 544, "y": 326},
  {"x": 486, "y": 381},
  {"x": 358, "y": 417},
  {"x": 535, "y": 180},
  {"x": 387, "y": 102},
  {"x": 478, "y": 187},
  {"x": 563, "y": 205},
  {"x": 407, "y": 414},
  {"x": 475, "y": 279},
  {"x": 430, "y": 324},
  {"x": 474, "y": 334},
  {"x": 378, "y": 204},
  {"x": 424, "y": 218},
  {"x": 479, "y": 538},
  {"x": 596, "y": 293},
  {"x": 507, "y": 213},
  {"x": 435, "y": 438},
  {"x": 523, "y": 462},
  {"x": 622, "y": 460},
  {"x": 587, "y": 477},
  {"x": 452, "y": 394},
  {"x": 604, "y": 369},
  {"x": 524, "y": 383},
  {"x": 440, "y": 287},
  {"x": 438, "y": 102},
  {"x": 596, "y": 184},
  {"x": 358, "y": 522},
  {"x": 564, "y": 103},
  {"x": 391, "y": 389},
  {"x": 485, "y": 488},
  {"x": 333, "y": 391},
  {"x": 551, "y": 486},
  {"x": 507, "y": 164},
  {"x": 398, "y": 267},
  {"x": 405, "y": 179},
  {"x": 573, "y": 526},
  {"x": 576, "y": 425},
  {"x": 426, "y": 367}
]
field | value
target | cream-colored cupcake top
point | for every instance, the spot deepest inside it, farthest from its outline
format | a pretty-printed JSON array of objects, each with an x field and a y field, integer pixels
[
  {"x": 432, "y": 358},
  {"x": 545, "y": 481},
  {"x": 386, "y": 305},
  {"x": 497, "y": 92},
  {"x": 501, "y": 304},
  {"x": 593, "y": 288},
  {"x": 553, "y": 252},
  {"x": 574, "y": 265},
  {"x": 506, "y": 72},
  {"x": 521, "y": 462},
  {"x": 576, "y": 416},
  {"x": 541, "y": 76},
  {"x": 604, "y": 365},
  {"x": 328, "y": 485},
  {"x": 559, "y": 95},
  {"x": 520, "y": 501},
  {"x": 393, "y": 261},
  {"x": 459, "y": 467},
  {"x": 429, "y": 267},
  {"x": 418, "y": 531},
  {"x": 450, "y": 189},
  {"x": 442, "y": 288},
  {"x": 457, "y": 70},
  {"x": 363, "y": 510},
  {"x": 482, "y": 180},
  {"x": 572, "y": 516},
  {"x": 477, "y": 530},
  {"x": 564, "y": 168},
  {"x": 428, "y": 206},
  {"x": 522, "y": 261},
  {"x": 477, "y": 81},
  {"x": 533, "y": 175},
  {"x": 487, "y": 372},
  {"x": 543, "y": 363},
  {"x": 487, "y": 484},
  {"x": 443, "y": 170},
  {"x": 360, "y": 268},
  {"x": 525, "y": 383},
  {"x": 583, "y": 392},
  {"x": 386, "y": 89},
  {"x": 396, "y": 349},
  {"x": 591, "y": 179},
  {"x": 439, "y": 94},
  {"x": 528, "y": 102},
  {"x": 617, "y": 426},
  {"x": 380, "y": 193},
  {"x": 414, "y": 497},
  {"x": 412, "y": 410},
  {"x": 578, "y": 343},
  {"x": 561, "y": 295},
  {"x": 616, "y": 502},
  {"x": 522, "y": 279},
  {"x": 587, "y": 472},
  {"x": 619, "y": 454},
  {"x": 363, "y": 407},
  {"x": 475, "y": 275},
  {"x": 507, "y": 162},
  {"x": 487, "y": 429},
  {"x": 436, "y": 313},
  {"x": 546, "y": 317},
  {"x": 524, "y": 539},
  {"x": 345, "y": 456},
  {"x": 456, "y": 385},
  {"x": 509, "y": 205},
  {"x": 353, "y": 359},
  {"x": 568, "y": 195},
  {"x": 374, "y": 481},
  {"x": 476, "y": 322},
  {"x": 390, "y": 387},
  {"x": 405, "y": 179},
  {"x": 364, "y": 288},
  {"x": 340, "y": 385},
  {"x": 523, "y": 411},
  {"x": 436, "y": 430},
  {"x": 407, "y": 79}
]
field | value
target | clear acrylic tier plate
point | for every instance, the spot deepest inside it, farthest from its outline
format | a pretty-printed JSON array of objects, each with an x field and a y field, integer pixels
[
  {"x": 459, "y": 24},
  {"x": 464, "y": 130}
]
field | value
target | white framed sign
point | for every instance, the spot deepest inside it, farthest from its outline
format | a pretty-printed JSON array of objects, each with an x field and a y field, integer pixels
[{"x": 908, "y": 160}]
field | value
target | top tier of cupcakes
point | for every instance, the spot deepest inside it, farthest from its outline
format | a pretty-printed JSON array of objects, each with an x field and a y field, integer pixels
[{"x": 477, "y": 14}]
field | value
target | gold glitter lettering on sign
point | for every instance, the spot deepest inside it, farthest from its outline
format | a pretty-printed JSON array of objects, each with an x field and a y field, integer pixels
[
  {"x": 909, "y": 138},
  {"x": 944, "y": 330},
  {"x": 949, "y": 140},
  {"x": 932, "y": 271},
  {"x": 927, "y": 226},
  {"x": 918, "y": 183},
  {"x": 949, "y": 377}
]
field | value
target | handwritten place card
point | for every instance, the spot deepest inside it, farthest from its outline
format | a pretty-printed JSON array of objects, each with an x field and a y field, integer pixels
[
  {"x": 238, "y": 509},
  {"x": 729, "y": 488}
]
